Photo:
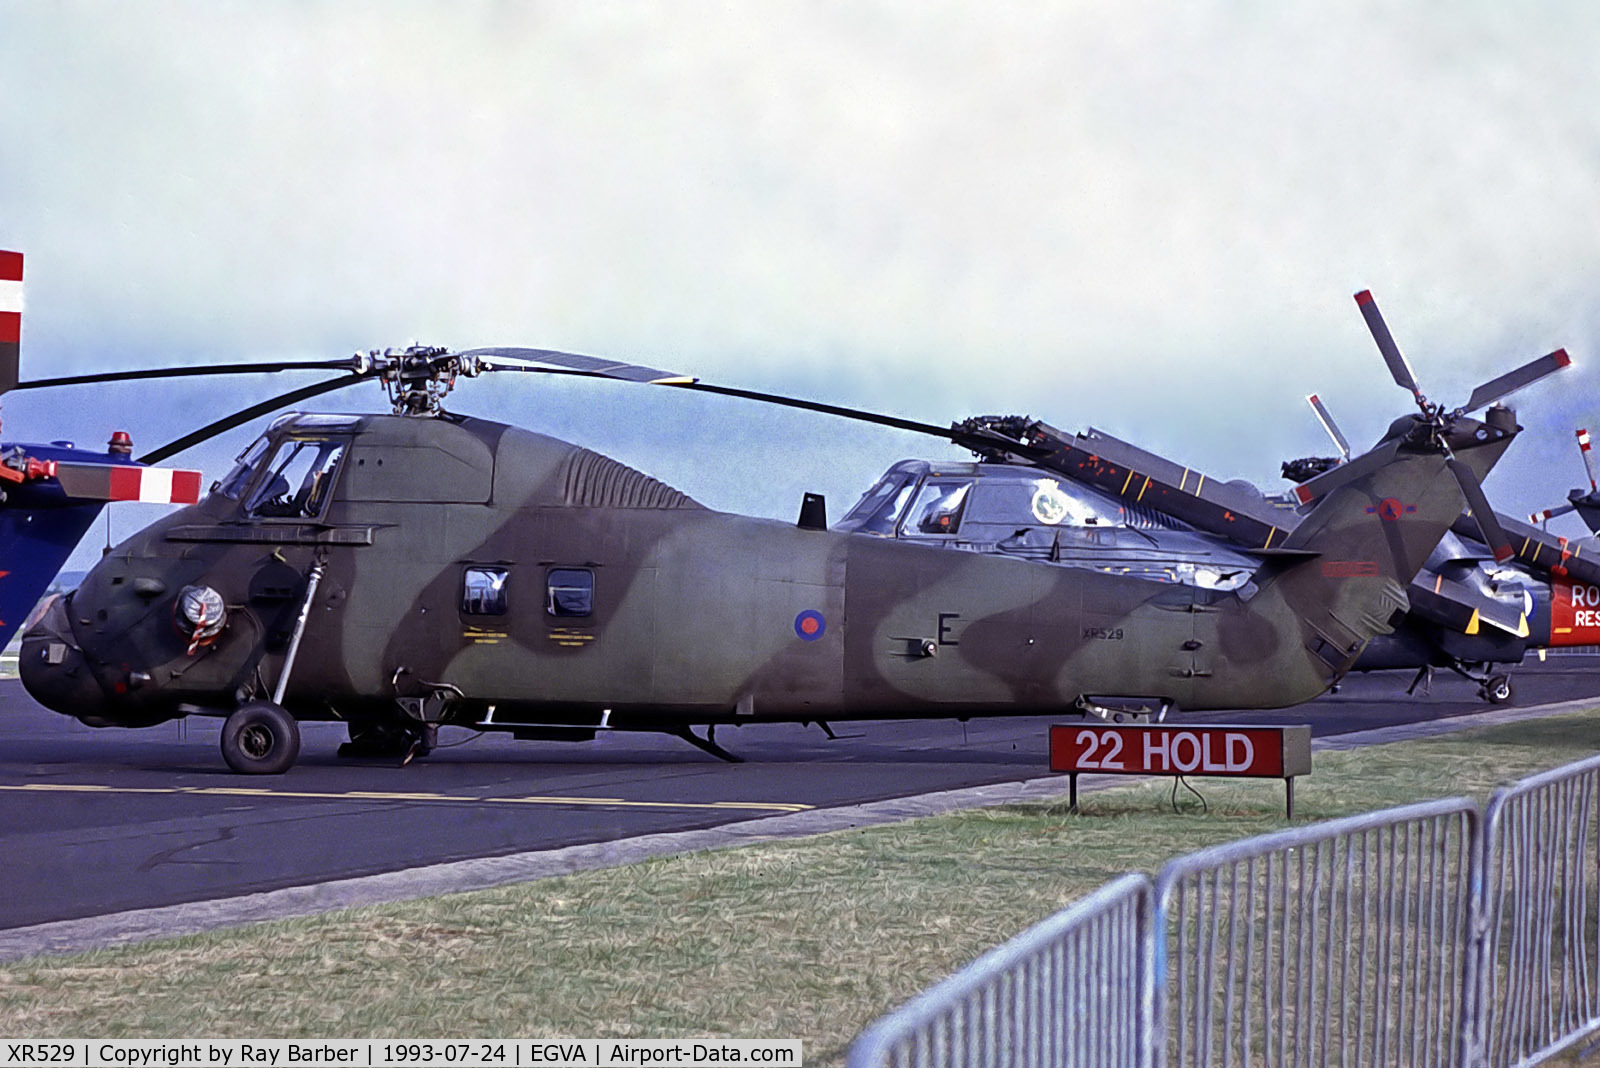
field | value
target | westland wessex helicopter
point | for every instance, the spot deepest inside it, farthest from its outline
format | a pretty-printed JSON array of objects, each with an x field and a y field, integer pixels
[
  {"x": 407, "y": 571},
  {"x": 51, "y": 493}
]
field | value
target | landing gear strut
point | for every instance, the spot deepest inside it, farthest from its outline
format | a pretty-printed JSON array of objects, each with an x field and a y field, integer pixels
[{"x": 708, "y": 743}]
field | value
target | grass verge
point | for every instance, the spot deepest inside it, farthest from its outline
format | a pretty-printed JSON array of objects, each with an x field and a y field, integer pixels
[{"x": 807, "y": 939}]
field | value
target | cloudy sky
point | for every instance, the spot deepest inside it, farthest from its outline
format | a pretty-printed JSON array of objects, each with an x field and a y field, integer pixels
[{"x": 1146, "y": 217}]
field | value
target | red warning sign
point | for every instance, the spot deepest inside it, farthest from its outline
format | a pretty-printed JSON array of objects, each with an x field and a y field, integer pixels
[
  {"x": 1253, "y": 752},
  {"x": 1574, "y": 613}
]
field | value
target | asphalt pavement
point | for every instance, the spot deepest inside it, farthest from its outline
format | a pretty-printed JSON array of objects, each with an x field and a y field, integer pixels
[{"x": 95, "y": 822}]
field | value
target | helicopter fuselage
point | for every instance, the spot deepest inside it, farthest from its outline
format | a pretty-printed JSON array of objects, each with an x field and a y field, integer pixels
[{"x": 484, "y": 575}]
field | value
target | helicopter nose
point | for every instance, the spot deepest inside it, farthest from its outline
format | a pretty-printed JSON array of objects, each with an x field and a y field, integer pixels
[{"x": 54, "y": 670}]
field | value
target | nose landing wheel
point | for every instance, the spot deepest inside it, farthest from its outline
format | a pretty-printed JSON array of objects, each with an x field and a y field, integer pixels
[{"x": 260, "y": 738}]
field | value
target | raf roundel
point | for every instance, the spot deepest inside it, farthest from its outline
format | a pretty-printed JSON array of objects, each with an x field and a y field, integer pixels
[{"x": 810, "y": 625}]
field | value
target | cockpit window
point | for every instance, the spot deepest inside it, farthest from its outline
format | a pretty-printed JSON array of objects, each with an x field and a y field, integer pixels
[
  {"x": 877, "y": 511},
  {"x": 244, "y": 468},
  {"x": 298, "y": 480},
  {"x": 937, "y": 508}
]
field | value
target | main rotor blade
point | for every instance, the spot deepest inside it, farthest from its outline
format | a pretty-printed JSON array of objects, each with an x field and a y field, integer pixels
[
  {"x": 947, "y": 433},
  {"x": 1329, "y": 425},
  {"x": 1391, "y": 352},
  {"x": 1542, "y": 553},
  {"x": 239, "y": 418},
  {"x": 1511, "y": 381},
  {"x": 1494, "y": 535},
  {"x": 1588, "y": 458},
  {"x": 515, "y": 359},
  {"x": 126, "y": 482},
  {"x": 952, "y": 434},
  {"x": 188, "y": 372}
]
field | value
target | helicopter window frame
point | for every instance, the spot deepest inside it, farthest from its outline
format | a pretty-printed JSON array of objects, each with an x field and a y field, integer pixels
[
  {"x": 878, "y": 512},
  {"x": 245, "y": 468},
  {"x": 308, "y": 501},
  {"x": 569, "y": 592},
  {"x": 940, "y": 500},
  {"x": 483, "y": 591}
]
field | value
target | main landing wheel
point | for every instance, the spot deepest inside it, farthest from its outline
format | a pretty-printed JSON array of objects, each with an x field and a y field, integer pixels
[
  {"x": 1497, "y": 689},
  {"x": 260, "y": 738}
]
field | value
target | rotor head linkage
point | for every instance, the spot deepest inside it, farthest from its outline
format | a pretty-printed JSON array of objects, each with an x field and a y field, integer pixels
[{"x": 416, "y": 378}]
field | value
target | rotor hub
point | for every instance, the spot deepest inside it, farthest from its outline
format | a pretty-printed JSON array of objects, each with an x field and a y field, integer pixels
[{"x": 416, "y": 378}]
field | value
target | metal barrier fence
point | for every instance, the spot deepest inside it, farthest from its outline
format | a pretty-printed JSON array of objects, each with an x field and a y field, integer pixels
[
  {"x": 1066, "y": 992},
  {"x": 1541, "y": 989},
  {"x": 1345, "y": 943},
  {"x": 1420, "y": 936}
]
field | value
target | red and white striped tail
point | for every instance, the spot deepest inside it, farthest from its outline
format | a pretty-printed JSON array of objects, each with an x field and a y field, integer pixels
[
  {"x": 126, "y": 482},
  {"x": 10, "y": 317}
]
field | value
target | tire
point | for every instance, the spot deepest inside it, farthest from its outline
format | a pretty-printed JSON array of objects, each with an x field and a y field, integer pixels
[
  {"x": 1497, "y": 691},
  {"x": 260, "y": 738}
]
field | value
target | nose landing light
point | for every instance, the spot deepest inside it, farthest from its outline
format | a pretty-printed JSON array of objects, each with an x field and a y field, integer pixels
[{"x": 201, "y": 615}]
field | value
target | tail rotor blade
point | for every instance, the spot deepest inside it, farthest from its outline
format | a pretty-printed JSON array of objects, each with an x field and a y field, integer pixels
[
  {"x": 1391, "y": 352},
  {"x": 1508, "y": 383},
  {"x": 1329, "y": 425},
  {"x": 1588, "y": 458},
  {"x": 1550, "y": 513},
  {"x": 1493, "y": 534}
]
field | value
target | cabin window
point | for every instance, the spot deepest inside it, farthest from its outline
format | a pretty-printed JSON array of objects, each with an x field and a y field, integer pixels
[
  {"x": 298, "y": 480},
  {"x": 483, "y": 591},
  {"x": 1035, "y": 502},
  {"x": 571, "y": 592},
  {"x": 937, "y": 508}
]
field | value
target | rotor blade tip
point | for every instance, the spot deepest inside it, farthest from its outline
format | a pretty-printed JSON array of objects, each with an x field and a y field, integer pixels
[
  {"x": 675, "y": 380},
  {"x": 1562, "y": 359},
  {"x": 1364, "y": 297},
  {"x": 1503, "y": 553}
]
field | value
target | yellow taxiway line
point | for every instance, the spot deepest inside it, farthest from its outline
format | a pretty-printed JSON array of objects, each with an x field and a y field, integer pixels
[{"x": 377, "y": 795}]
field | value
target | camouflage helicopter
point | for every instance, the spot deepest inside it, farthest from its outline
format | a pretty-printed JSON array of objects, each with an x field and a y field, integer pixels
[
  {"x": 407, "y": 571},
  {"x": 51, "y": 493}
]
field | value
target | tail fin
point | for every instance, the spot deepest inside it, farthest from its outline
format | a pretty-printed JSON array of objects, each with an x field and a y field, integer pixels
[
  {"x": 1372, "y": 533},
  {"x": 10, "y": 318}
]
